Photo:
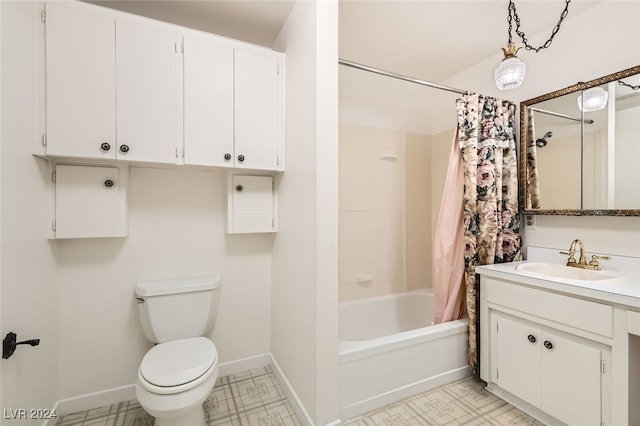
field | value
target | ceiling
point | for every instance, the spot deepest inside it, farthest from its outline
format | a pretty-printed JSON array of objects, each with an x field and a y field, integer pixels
[
  {"x": 253, "y": 21},
  {"x": 433, "y": 40},
  {"x": 427, "y": 39}
]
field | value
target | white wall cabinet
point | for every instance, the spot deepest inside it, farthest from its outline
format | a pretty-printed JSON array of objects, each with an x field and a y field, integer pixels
[
  {"x": 90, "y": 201},
  {"x": 149, "y": 92},
  {"x": 208, "y": 103},
  {"x": 233, "y": 106},
  {"x": 258, "y": 111},
  {"x": 251, "y": 204},
  {"x": 554, "y": 373},
  {"x": 122, "y": 87},
  {"x": 81, "y": 93}
]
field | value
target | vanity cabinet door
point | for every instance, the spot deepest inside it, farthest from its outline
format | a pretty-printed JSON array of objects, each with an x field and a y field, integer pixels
[
  {"x": 149, "y": 92},
  {"x": 559, "y": 375},
  {"x": 518, "y": 367},
  {"x": 208, "y": 103},
  {"x": 571, "y": 381},
  {"x": 80, "y": 82}
]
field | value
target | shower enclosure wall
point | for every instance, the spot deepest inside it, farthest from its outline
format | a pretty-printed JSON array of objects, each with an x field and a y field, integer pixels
[{"x": 385, "y": 232}]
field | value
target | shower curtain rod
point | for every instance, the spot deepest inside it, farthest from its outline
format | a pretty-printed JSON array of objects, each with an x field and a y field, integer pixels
[
  {"x": 557, "y": 114},
  {"x": 399, "y": 76}
]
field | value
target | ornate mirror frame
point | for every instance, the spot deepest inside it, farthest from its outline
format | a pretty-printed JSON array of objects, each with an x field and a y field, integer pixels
[{"x": 523, "y": 148}]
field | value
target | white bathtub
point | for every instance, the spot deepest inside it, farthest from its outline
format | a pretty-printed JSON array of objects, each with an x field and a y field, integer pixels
[{"x": 389, "y": 350}]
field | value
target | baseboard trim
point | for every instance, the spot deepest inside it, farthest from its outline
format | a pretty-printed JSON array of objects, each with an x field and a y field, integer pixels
[
  {"x": 244, "y": 364},
  {"x": 52, "y": 421},
  {"x": 96, "y": 399},
  {"x": 297, "y": 405}
]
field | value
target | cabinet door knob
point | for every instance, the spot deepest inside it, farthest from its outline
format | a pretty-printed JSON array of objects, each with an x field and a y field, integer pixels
[
  {"x": 124, "y": 148},
  {"x": 105, "y": 146},
  {"x": 241, "y": 158},
  {"x": 108, "y": 183},
  {"x": 239, "y": 188},
  {"x": 531, "y": 338},
  {"x": 548, "y": 344},
  {"x": 227, "y": 157}
]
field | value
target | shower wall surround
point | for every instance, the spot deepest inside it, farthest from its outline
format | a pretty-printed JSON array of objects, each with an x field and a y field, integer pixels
[{"x": 386, "y": 191}]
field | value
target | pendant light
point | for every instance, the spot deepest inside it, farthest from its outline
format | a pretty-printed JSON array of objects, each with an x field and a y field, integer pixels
[
  {"x": 510, "y": 72},
  {"x": 593, "y": 99}
]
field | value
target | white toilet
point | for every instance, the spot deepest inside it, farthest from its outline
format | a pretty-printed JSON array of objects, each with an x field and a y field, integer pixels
[{"x": 177, "y": 374}]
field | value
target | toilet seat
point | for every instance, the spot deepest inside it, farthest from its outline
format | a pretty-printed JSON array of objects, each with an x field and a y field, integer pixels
[{"x": 178, "y": 365}]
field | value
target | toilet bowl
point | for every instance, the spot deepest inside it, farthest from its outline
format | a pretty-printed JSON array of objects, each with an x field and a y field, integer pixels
[
  {"x": 175, "y": 378},
  {"x": 178, "y": 374}
]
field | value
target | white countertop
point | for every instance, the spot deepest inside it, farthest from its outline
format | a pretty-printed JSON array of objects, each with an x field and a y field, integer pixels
[{"x": 622, "y": 290}]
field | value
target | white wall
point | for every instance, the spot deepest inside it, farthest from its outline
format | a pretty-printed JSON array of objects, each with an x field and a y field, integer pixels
[
  {"x": 584, "y": 49},
  {"x": 176, "y": 229},
  {"x": 28, "y": 281},
  {"x": 1, "y": 137},
  {"x": 305, "y": 276}
]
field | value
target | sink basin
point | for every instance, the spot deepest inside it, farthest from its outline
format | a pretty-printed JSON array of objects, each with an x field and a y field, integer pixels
[{"x": 551, "y": 270}]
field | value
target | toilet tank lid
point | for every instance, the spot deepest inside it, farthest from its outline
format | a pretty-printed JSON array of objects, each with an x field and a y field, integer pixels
[{"x": 180, "y": 285}]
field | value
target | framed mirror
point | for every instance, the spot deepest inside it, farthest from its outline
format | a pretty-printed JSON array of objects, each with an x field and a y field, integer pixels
[{"x": 580, "y": 148}]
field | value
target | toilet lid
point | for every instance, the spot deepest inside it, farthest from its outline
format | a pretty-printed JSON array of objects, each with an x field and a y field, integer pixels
[{"x": 177, "y": 362}]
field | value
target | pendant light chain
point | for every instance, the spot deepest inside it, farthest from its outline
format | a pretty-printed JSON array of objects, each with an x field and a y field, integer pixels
[
  {"x": 514, "y": 15},
  {"x": 622, "y": 83}
]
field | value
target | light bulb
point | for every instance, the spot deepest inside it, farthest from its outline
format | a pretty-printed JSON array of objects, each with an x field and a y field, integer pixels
[
  {"x": 510, "y": 73},
  {"x": 593, "y": 99}
]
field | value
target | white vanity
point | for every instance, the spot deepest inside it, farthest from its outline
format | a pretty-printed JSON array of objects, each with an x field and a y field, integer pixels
[{"x": 563, "y": 343}]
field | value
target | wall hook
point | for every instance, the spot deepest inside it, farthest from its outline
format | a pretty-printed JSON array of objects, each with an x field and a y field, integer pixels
[{"x": 9, "y": 344}]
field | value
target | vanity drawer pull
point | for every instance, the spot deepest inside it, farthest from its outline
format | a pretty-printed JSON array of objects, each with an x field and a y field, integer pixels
[
  {"x": 548, "y": 344},
  {"x": 531, "y": 338}
]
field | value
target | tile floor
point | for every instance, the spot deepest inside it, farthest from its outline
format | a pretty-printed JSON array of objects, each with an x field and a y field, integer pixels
[
  {"x": 464, "y": 402},
  {"x": 249, "y": 398},
  {"x": 255, "y": 398}
]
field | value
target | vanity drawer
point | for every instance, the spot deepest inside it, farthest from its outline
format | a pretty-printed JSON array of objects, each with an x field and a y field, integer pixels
[
  {"x": 633, "y": 323},
  {"x": 585, "y": 315}
]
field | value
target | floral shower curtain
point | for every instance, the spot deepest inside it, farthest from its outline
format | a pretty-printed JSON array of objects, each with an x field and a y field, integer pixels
[{"x": 491, "y": 225}]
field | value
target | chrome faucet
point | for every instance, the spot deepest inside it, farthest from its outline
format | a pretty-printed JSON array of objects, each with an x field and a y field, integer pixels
[{"x": 582, "y": 261}]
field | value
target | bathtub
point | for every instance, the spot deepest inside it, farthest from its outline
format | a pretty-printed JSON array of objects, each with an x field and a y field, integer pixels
[{"x": 389, "y": 350}]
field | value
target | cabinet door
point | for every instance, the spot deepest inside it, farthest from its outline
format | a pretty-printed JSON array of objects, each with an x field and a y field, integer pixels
[
  {"x": 80, "y": 82},
  {"x": 208, "y": 103},
  {"x": 571, "y": 382},
  {"x": 518, "y": 358},
  {"x": 149, "y": 92},
  {"x": 90, "y": 202},
  {"x": 251, "y": 204},
  {"x": 257, "y": 109}
]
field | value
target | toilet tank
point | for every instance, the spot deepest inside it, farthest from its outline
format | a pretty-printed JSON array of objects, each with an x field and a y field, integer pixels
[{"x": 178, "y": 308}]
